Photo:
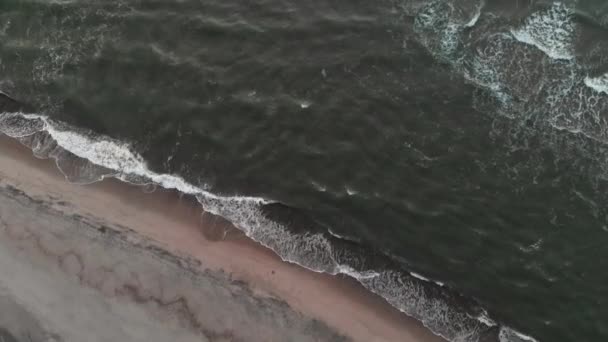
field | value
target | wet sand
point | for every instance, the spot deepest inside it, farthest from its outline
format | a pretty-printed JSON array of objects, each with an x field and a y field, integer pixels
[{"x": 114, "y": 262}]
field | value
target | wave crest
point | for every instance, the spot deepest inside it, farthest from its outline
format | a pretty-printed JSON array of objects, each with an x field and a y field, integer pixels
[{"x": 552, "y": 31}]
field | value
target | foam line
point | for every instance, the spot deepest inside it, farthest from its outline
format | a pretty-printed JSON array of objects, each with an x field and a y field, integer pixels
[{"x": 314, "y": 251}]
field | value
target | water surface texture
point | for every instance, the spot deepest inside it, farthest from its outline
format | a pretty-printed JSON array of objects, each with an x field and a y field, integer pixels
[{"x": 450, "y": 154}]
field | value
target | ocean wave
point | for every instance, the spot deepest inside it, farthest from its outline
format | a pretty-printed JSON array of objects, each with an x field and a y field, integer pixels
[
  {"x": 476, "y": 14},
  {"x": 599, "y": 83},
  {"x": 530, "y": 74},
  {"x": 510, "y": 335},
  {"x": 438, "y": 28},
  {"x": 436, "y": 306},
  {"x": 528, "y": 71},
  {"x": 552, "y": 30}
]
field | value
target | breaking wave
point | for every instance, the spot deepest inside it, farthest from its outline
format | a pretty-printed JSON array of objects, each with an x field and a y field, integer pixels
[
  {"x": 599, "y": 83},
  {"x": 525, "y": 67},
  {"x": 551, "y": 30},
  {"x": 84, "y": 157},
  {"x": 528, "y": 70}
]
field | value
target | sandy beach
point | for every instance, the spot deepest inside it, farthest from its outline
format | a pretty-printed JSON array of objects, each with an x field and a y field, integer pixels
[{"x": 115, "y": 262}]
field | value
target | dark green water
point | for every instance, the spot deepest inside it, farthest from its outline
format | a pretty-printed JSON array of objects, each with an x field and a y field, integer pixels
[{"x": 465, "y": 141}]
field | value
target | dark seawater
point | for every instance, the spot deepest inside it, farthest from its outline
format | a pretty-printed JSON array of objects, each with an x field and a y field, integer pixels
[{"x": 465, "y": 141}]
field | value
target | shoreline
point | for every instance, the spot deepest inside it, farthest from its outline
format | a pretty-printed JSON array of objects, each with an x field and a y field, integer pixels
[
  {"x": 176, "y": 224},
  {"x": 84, "y": 157}
]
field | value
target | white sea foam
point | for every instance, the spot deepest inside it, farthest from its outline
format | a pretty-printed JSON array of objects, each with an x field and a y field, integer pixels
[
  {"x": 438, "y": 29},
  {"x": 350, "y": 191},
  {"x": 421, "y": 277},
  {"x": 485, "y": 319},
  {"x": 599, "y": 83},
  {"x": 476, "y": 16},
  {"x": 343, "y": 269},
  {"x": 436, "y": 314},
  {"x": 510, "y": 335},
  {"x": 107, "y": 153},
  {"x": 336, "y": 235},
  {"x": 553, "y": 31},
  {"x": 304, "y": 104},
  {"x": 318, "y": 186}
]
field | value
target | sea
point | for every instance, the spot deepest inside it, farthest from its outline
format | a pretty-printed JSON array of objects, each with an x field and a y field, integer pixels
[{"x": 449, "y": 155}]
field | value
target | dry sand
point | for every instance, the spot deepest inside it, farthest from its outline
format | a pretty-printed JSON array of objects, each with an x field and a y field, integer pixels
[{"x": 110, "y": 262}]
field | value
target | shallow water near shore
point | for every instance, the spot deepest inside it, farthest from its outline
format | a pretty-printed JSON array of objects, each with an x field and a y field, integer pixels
[{"x": 450, "y": 155}]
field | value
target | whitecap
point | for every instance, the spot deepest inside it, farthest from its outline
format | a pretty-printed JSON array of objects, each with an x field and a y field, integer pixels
[
  {"x": 485, "y": 319},
  {"x": 438, "y": 28},
  {"x": 423, "y": 278},
  {"x": 305, "y": 104},
  {"x": 419, "y": 276},
  {"x": 553, "y": 31},
  {"x": 599, "y": 83},
  {"x": 476, "y": 16},
  {"x": 344, "y": 269},
  {"x": 510, "y": 335},
  {"x": 318, "y": 186}
]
